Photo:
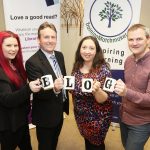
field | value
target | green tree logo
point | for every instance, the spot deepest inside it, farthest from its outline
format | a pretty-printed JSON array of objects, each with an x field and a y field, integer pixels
[{"x": 112, "y": 12}]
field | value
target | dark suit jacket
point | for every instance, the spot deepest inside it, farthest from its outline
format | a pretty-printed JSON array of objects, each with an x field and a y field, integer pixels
[
  {"x": 14, "y": 104},
  {"x": 47, "y": 107}
]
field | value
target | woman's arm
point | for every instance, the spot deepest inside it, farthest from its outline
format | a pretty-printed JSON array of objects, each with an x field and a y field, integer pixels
[
  {"x": 9, "y": 98},
  {"x": 100, "y": 95}
]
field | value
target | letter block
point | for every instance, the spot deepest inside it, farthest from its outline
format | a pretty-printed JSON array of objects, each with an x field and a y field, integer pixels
[
  {"x": 109, "y": 84},
  {"x": 47, "y": 82},
  {"x": 87, "y": 85},
  {"x": 69, "y": 82}
]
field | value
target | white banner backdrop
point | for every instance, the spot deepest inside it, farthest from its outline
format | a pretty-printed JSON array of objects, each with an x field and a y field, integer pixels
[
  {"x": 24, "y": 17},
  {"x": 109, "y": 21}
]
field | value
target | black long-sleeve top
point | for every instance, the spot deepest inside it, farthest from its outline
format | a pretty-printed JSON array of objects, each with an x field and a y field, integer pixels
[{"x": 14, "y": 104}]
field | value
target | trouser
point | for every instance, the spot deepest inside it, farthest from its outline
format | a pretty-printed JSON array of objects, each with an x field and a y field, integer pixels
[
  {"x": 89, "y": 146},
  {"x": 134, "y": 137},
  {"x": 48, "y": 137},
  {"x": 21, "y": 138}
]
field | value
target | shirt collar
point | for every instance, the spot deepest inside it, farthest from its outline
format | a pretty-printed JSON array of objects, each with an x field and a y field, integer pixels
[
  {"x": 144, "y": 57},
  {"x": 48, "y": 55}
]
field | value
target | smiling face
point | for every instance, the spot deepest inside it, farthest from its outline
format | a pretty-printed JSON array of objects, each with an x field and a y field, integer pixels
[
  {"x": 138, "y": 42},
  {"x": 47, "y": 39},
  {"x": 10, "y": 48},
  {"x": 88, "y": 50}
]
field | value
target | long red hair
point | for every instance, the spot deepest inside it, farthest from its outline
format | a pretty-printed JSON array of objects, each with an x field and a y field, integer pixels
[{"x": 17, "y": 61}]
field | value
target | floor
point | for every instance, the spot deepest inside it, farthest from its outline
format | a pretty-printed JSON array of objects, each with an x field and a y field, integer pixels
[{"x": 70, "y": 138}]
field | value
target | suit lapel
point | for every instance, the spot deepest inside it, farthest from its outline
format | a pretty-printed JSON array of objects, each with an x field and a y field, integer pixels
[{"x": 46, "y": 65}]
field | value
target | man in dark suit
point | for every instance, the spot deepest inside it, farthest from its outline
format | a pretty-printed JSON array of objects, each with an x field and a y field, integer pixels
[{"x": 48, "y": 105}]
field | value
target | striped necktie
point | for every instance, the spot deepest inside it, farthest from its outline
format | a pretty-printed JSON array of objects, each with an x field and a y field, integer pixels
[
  {"x": 56, "y": 66},
  {"x": 58, "y": 73}
]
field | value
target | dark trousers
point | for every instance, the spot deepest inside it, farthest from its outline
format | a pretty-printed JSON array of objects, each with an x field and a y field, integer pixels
[
  {"x": 21, "y": 138},
  {"x": 48, "y": 137},
  {"x": 89, "y": 146}
]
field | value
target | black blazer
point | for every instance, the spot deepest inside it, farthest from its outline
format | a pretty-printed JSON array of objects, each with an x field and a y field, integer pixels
[
  {"x": 47, "y": 107},
  {"x": 14, "y": 104}
]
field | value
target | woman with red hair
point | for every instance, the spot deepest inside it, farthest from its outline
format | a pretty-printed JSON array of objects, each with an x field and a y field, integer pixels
[{"x": 14, "y": 94}]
